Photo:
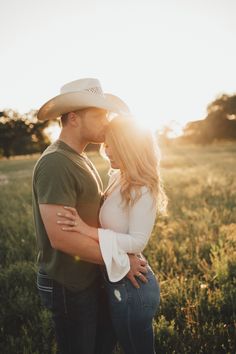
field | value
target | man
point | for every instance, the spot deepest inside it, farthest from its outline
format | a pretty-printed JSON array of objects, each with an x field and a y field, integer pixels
[{"x": 68, "y": 277}]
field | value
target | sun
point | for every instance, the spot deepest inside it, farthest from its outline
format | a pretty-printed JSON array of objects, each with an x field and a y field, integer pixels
[{"x": 157, "y": 123}]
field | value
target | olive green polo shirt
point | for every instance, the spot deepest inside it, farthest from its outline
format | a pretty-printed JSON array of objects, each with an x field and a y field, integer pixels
[{"x": 62, "y": 176}]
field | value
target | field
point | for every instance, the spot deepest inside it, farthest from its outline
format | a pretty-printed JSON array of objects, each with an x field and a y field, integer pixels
[{"x": 192, "y": 251}]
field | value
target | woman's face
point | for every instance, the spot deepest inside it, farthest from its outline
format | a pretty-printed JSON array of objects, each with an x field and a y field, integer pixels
[{"x": 108, "y": 151}]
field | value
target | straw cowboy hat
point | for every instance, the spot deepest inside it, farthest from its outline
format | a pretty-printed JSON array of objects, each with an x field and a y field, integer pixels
[{"x": 81, "y": 94}]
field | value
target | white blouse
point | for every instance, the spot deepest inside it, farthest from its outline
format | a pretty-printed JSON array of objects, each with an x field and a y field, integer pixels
[{"x": 124, "y": 230}]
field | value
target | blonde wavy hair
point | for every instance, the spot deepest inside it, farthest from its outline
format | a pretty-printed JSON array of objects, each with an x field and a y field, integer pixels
[{"x": 136, "y": 152}]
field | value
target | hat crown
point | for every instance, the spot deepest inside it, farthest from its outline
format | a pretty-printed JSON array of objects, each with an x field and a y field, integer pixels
[{"x": 88, "y": 85}]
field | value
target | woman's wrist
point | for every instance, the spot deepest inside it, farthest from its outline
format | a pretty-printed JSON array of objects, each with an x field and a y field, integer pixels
[{"x": 92, "y": 232}]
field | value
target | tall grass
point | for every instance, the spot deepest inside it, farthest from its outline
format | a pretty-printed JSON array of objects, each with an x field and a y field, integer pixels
[{"x": 192, "y": 251}]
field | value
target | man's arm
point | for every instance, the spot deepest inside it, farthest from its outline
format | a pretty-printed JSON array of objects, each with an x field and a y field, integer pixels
[
  {"x": 68, "y": 242},
  {"x": 76, "y": 244}
]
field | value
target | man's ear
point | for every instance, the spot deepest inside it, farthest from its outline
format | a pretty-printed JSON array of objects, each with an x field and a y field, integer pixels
[{"x": 73, "y": 119}]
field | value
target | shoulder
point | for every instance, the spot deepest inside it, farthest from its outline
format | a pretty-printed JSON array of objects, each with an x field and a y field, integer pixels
[
  {"x": 52, "y": 159},
  {"x": 146, "y": 199},
  {"x": 52, "y": 163},
  {"x": 55, "y": 154}
]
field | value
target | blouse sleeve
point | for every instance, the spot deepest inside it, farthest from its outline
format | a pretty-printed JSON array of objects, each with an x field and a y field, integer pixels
[{"x": 115, "y": 246}]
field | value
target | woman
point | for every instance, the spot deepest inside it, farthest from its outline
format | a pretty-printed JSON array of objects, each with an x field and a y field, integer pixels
[{"x": 127, "y": 215}]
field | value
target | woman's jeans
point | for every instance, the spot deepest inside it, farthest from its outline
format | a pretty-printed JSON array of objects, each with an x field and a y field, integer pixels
[
  {"x": 132, "y": 311},
  {"x": 81, "y": 319}
]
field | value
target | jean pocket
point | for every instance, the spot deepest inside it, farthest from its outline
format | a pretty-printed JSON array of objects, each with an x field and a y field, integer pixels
[
  {"x": 117, "y": 292},
  {"x": 45, "y": 289},
  {"x": 149, "y": 293}
]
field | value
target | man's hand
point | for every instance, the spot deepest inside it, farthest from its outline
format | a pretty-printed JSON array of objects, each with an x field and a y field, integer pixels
[{"x": 138, "y": 267}]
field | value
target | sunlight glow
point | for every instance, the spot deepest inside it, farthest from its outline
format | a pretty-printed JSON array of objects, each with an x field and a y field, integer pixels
[
  {"x": 53, "y": 132},
  {"x": 164, "y": 60}
]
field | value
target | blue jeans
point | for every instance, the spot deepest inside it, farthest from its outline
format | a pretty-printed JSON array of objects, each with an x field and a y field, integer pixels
[
  {"x": 81, "y": 319},
  {"x": 132, "y": 311}
]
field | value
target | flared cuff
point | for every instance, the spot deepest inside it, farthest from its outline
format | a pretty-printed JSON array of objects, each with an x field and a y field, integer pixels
[{"x": 116, "y": 261}]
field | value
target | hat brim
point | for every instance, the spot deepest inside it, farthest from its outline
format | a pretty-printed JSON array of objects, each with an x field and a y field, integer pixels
[{"x": 72, "y": 101}]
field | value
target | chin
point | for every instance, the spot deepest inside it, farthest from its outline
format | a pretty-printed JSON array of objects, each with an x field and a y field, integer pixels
[
  {"x": 113, "y": 165},
  {"x": 101, "y": 138},
  {"x": 97, "y": 140}
]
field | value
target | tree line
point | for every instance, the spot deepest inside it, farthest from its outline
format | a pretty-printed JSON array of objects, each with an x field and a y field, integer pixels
[
  {"x": 219, "y": 123},
  {"x": 24, "y": 134}
]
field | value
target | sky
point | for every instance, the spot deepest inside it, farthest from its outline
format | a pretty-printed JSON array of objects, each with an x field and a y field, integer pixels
[{"x": 167, "y": 59}]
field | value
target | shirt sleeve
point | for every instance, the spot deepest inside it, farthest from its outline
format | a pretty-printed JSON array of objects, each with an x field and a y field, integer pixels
[
  {"x": 115, "y": 246},
  {"x": 53, "y": 181}
]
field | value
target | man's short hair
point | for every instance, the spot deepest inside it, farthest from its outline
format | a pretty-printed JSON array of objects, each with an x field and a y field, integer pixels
[{"x": 64, "y": 119}]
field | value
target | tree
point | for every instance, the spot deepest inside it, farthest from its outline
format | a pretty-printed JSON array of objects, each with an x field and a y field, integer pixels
[
  {"x": 219, "y": 124},
  {"x": 21, "y": 134}
]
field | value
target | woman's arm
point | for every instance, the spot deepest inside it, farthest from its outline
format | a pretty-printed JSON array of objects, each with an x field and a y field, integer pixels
[
  {"x": 114, "y": 246},
  {"x": 70, "y": 243},
  {"x": 141, "y": 221}
]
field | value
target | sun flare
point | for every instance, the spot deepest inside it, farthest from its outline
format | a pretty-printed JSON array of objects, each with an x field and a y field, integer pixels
[{"x": 53, "y": 132}]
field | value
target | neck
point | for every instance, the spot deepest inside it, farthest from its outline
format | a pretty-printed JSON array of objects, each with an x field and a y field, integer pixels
[{"x": 77, "y": 144}]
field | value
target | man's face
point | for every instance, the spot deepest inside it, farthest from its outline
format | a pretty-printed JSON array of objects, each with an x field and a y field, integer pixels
[{"x": 93, "y": 125}]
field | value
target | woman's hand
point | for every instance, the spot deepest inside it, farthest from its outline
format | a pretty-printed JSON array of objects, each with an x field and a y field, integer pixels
[{"x": 71, "y": 221}]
